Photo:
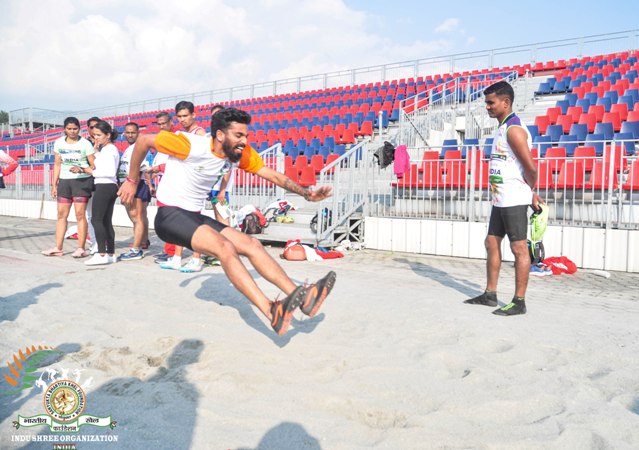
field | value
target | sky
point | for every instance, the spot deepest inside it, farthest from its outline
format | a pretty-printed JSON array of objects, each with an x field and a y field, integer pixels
[{"x": 76, "y": 54}]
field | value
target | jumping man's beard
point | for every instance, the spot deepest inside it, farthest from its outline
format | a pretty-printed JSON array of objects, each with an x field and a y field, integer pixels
[{"x": 229, "y": 151}]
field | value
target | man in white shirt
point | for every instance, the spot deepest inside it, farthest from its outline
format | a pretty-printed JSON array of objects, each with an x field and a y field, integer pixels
[{"x": 513, "y": 175}]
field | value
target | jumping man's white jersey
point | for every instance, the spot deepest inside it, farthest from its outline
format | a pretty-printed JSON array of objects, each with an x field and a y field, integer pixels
[
  {"x": 192, "y": 168},
  {"x": 507, "y": 183}
]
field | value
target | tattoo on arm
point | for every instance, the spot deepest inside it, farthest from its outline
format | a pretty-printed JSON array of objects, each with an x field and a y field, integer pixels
[{"x": 292, "y": 186}]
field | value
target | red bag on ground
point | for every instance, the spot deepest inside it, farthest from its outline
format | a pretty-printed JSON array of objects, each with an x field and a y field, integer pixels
[
  {"x": 294, "y": 251},
  {"x": 560, "y": 264}
]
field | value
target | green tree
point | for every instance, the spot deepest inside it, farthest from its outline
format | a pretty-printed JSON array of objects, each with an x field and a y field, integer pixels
[{"x": 4, "y": 116}]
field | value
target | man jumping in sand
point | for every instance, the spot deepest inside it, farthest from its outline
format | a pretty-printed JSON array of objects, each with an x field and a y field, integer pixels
[{"x": 195, "y": 162}]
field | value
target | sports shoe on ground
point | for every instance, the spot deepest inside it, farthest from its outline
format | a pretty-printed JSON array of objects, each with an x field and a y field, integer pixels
[
  {"x": 172, "y": 264},
  {"x": 211, "y": 261},
  {"x": 486, "y": 299},
  {"x": 145, "y": 245},
  {"x": 282, "y": 311},
  {"x": 194, "y": 265},
  {"x": 162, "y": 257},
  {"x": 513, "y": 308},
  {"x": 316, "y": 293},
  {"x": 98, "y": 260},
  {"x": 540, "y": 270},
  {"x": 131, "y": 255}
]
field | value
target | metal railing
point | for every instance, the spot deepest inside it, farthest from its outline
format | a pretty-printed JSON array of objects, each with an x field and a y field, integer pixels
[
  {"x": 250, "y": 189},
  {"x": 499, "y": 57},
  {"x": 586, "y": 191},
  {"x": 452, "y": 109},
  {"x": 347, "y": 176}
]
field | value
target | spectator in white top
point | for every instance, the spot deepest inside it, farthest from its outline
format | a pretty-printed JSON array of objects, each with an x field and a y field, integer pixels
[{"x": 105, "y": 172}]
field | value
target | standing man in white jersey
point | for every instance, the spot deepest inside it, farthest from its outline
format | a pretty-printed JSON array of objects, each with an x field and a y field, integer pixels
[
  {"x": 513, "y": 175},
  {"x": 185, "y": 113},
  {"x": 193, "y": 166}
]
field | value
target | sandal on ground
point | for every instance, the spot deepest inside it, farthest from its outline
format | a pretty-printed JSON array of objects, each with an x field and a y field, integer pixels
[
  {"x": 54, "y": 251},
  {"x": 80, "y": 253}
]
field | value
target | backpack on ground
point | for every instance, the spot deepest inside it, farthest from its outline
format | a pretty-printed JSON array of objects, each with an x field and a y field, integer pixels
[{"x": 254, "y": 223}]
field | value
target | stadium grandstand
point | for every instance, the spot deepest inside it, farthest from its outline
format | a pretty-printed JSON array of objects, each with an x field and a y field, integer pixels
[{"x": 579, "y": 98}]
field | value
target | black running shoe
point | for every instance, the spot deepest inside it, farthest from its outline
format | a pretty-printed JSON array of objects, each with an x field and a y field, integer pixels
[
  {"x": 513, "y": 308},
  {"x": 282, "y": 311},
  {"x": 162, "y": 257},
  {"x": 487, "y": 299},
  {"x": 316, "y": 293}
]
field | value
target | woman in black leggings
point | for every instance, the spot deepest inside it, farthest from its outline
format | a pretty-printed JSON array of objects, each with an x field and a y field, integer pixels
[{"x": 106, "y": 163}]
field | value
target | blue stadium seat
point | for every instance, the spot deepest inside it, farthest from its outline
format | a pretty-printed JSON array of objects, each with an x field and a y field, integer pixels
[
  {"x": 592, "y": 97},
  {"x": 324, "y": 151},
  {"x": 605, "y": 129},
  {"x": 543, "y": 89},
  {"x": 563, "y": 104},
  {"x": 606, "y": 102},
  {"x": 634, "y": 93},
  {"x": 542, "y": 143},
  {"x": 488, "y": 146},
  {"x": 554, "y": 131},
  {"x": 559, "y": 87},
  {"x": 579, "y": 130},
  {"x": 631, "y": 127},
  {"x": 571, "y": 98},
  {"x": 339, "y": 149},
  {"x": 612, "y": 95},
  {"x": 596, "y": 140},
  {"x": 293, "y": 152},
  {"x": 627, "y": 140},
  {"x": 584, "y": 103},
  {"x": 569, "y": 142},
  {"x": 534, "y": 130},
  {"x": 628, "y": 100}
]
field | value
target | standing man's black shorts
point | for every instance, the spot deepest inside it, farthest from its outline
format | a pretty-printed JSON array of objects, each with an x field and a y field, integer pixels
[
  {"x": 143, "y": 192},
  {"x": 511, "y": 221}
]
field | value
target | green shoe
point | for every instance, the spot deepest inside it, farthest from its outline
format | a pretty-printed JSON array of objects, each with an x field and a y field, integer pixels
[{"x": 513, "y": 308}]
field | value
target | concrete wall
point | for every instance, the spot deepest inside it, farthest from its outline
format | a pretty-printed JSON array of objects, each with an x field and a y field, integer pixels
[
  {"x": 36, "y": 209},
  {"x": 589, "y": 248}
]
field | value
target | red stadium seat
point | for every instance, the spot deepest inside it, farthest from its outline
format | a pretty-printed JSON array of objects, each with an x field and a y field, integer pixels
[
  {"x": 571, "y": 176},
  {"x": 632, "y": 182},
  {"x": 542, "y": 123},
  {"x": 307, "y": 176},
  {"x": 587, "y": 155},
  {"x": 556, "y": 156}
]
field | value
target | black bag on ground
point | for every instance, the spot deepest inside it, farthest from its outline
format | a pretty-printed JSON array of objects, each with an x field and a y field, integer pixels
[
  {"x": 536, "y": 252},
  {"x": 251, "y": 224}
]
